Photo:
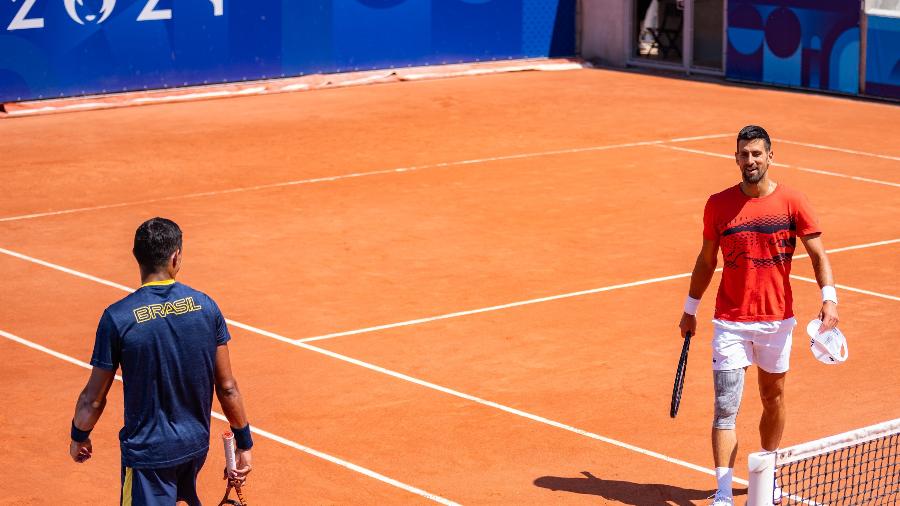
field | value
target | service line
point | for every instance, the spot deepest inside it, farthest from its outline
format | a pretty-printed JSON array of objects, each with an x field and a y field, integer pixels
[
  {"x": 574, "y": 294},
  {"x": 851, "y": 289}
]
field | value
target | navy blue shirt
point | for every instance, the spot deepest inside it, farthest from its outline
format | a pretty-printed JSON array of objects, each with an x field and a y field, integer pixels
[{"x": 164, "y": 336}]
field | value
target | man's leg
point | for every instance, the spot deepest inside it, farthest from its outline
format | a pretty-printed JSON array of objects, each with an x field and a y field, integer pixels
[
  {"x": 725, "y": 444},
  {"x": 732, "y": 354},
  {"x": 187, "y": 481},
  {"x": 729, "y": 388},
  {"x": 148, "y": 487},
  {"x": 771, "y": 424}
]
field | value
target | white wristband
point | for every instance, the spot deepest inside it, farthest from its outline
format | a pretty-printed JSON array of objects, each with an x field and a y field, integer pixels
[
  {"x": 829, "y": 293},
  {"x": 690, "y": 305}
]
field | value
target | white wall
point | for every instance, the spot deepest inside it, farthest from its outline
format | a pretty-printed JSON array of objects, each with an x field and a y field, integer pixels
[
  {"x": 886, "y": 5},
  {"x": 603, "y": 27}
]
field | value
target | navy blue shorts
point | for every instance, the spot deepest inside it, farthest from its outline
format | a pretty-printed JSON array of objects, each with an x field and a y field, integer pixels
[{"x": 162, "y": 486}]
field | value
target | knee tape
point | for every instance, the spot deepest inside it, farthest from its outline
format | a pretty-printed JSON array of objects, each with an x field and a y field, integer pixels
[{"x": 729, "y": 386}]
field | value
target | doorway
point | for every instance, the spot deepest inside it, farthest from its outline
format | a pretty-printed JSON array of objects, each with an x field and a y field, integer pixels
[{"x": 678, "y": 34}]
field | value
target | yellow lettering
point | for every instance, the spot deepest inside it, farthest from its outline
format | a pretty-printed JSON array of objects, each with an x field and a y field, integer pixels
[
  {"x": 180, "y": 306},
  {"x": 156, "y": 310},
  {"x": 192, "y": 305},
  {"x": 142, "y": 314}
]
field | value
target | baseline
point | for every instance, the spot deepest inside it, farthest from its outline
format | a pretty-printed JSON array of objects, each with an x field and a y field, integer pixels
[
  {"x": 779, "y": 164},
  {"x": 358, "y": 175},
  {"x": 842, "y": 150}
]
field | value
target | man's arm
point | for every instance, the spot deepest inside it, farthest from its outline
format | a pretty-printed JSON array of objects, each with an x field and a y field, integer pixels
[
  {"x": 233, "y": 407},
  {"x": 822, "y": 267},
  {"x": 88, "y": 410},
  {"x": 703, "y": 272}
]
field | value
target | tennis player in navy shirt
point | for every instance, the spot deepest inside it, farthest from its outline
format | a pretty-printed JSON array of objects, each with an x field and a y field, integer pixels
[{"x": 171, "y": 342}]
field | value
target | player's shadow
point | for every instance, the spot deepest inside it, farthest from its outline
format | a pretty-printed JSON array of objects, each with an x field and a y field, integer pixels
[{"x": 626, "y": 492}]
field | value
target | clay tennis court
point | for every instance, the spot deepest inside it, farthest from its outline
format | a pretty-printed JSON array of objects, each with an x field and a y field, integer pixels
[{"x": 460, "y": 290}]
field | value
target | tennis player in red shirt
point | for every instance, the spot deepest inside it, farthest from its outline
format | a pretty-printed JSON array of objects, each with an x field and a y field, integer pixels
[{"x": 756, "y": 224}]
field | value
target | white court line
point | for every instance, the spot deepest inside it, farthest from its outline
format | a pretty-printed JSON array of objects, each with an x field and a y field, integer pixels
[
  {"x": 514, "y": 411},
  {"x": 438, "y": 317},
  {"x": 553, "y": 297},
  {"x": 778, "y": 164},
  {"x": 437, "y": 387},
  {"x": 404, "y": 377},
  {"x": 492, "y": 308},
  {"x": 357, "y": 175},
  {"x": 60, "y": 268},
  {"x": 264, "y": 433},
  {"x": 842, "y": 150},
  {"x": 850, "y": 288},
  {"x": 855, "y": 247}
]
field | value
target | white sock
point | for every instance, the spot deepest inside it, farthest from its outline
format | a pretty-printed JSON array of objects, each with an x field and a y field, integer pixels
[{"x": 724, "y": 477}]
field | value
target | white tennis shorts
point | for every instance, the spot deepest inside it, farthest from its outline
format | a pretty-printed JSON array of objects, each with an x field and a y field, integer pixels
[{"x": 740, "y": 344}]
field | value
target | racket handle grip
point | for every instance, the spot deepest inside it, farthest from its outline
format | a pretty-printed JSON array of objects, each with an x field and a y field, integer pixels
[{"x": 230, "y": 461}]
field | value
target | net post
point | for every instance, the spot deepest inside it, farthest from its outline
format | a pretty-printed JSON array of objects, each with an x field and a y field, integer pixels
[{"x": 761, "y": 489}]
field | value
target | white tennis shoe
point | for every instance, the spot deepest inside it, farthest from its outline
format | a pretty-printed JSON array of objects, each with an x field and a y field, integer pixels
[{"x": 721, "y": 499}]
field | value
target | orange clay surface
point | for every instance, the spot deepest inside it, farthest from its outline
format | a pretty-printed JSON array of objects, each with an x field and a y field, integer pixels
[{"x": 466, "y": 408}]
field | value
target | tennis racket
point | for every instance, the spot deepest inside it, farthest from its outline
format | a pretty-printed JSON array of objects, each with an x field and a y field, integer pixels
[
  {"x": 679, "y": 376},
  {"x": 230, "y": 465}
]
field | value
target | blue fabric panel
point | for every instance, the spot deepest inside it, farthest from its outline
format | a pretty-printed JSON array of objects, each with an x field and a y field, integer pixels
[
  {"x": 797, "y": 43},
  {"x": 53, "y": 48},
  {"x": 883, "y": 57},
  {"x": 462, "y": 27}
]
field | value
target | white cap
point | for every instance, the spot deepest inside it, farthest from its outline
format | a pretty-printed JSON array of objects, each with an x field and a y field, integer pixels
[{"x": 828, "y": 347}]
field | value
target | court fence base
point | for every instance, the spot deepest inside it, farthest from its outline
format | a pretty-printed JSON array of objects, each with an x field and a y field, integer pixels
[{"x": 286, "y": 85}]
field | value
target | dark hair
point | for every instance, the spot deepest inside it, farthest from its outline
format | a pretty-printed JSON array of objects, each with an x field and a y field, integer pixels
[
  {"x": 154, "y": 242},
  {"x": 751, "y": 132}
]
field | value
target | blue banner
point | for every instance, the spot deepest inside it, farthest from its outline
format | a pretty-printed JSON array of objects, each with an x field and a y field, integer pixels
[
  {"x": 797, "y": 43},
  {"x": 883, "y": 56},
  {"x": 56, "y": 48}
]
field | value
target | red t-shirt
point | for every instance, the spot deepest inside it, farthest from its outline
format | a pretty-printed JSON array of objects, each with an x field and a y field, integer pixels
[{"x": 758, "y": 237}]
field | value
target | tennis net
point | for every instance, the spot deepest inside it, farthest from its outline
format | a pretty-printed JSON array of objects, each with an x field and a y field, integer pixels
[{"x": 859, "y": 467}]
